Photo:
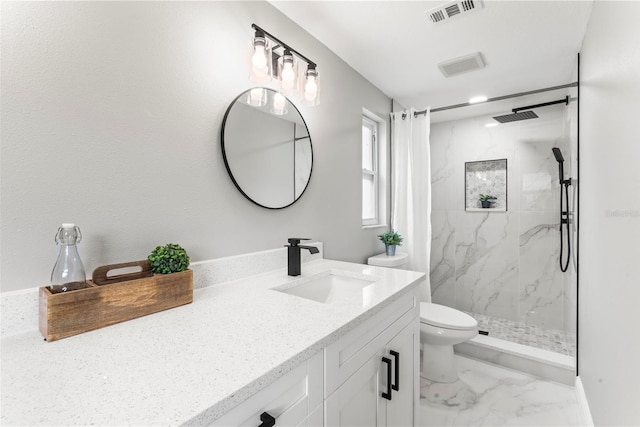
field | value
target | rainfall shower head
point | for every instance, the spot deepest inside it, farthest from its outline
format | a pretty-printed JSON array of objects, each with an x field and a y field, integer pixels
[
  {"x": 516, "y": 117},
  {"x": 518, "y": 114}
]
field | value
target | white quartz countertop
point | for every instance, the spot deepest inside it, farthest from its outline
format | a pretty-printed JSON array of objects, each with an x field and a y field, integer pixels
[{"x": 187, "y": 365}]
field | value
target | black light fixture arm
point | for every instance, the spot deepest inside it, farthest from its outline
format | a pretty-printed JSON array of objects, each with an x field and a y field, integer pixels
[{"x": 284, "y": 45}]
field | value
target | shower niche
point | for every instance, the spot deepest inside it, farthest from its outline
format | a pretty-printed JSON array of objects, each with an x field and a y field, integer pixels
[{"x": 485, "y": 185}]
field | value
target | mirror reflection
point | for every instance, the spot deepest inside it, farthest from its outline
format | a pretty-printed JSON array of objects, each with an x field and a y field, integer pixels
[{"x": 267, "y": 148}]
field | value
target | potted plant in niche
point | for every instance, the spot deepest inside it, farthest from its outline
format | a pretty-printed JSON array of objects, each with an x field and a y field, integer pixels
[
  {"x": 391, "y": 239},
  {"x": 486, "y": 200}
]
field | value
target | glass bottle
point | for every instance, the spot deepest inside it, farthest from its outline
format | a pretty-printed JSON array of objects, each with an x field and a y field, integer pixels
[{"x": 68, "y": 274}]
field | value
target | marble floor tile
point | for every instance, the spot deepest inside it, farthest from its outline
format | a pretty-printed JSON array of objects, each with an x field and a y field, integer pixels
[{"x": 489, "y": 395}]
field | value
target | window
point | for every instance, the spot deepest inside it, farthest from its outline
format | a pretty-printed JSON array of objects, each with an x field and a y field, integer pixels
[{"x": 373, "y": 170}]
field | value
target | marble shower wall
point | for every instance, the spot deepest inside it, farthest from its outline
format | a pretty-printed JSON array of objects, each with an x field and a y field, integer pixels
[{"x": 502, "y": 264}]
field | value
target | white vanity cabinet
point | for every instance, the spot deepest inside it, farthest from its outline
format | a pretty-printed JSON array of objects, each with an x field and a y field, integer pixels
[
  {"x": 295, "y": 399},
  {"x": 372, "y": 373},
  {"x": 368, "y": 377}
]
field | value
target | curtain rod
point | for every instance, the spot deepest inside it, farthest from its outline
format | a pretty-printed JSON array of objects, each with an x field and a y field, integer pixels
[{"x": 499, "y": 98}]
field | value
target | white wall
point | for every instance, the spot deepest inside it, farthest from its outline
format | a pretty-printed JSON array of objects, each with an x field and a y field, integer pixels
[
  {"x": 609, "y": 348},
  {"x": 111, "y": 116}
]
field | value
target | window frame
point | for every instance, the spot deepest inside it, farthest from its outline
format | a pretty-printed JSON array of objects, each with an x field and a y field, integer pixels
[{"x": 379, "y": 157}]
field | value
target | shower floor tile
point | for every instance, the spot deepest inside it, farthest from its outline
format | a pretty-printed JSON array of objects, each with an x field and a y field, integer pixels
[
  {"x": 489, "y": 395},
  {"x": 546, "y": 339}
]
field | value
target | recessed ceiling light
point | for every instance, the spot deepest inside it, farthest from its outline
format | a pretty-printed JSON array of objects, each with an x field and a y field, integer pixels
[
  {"x": 478, "y": 99},
  {"x": 491, "y": 125}
]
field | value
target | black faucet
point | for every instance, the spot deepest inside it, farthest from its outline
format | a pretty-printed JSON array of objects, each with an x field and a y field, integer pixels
[{"x": 293, "y": 252}]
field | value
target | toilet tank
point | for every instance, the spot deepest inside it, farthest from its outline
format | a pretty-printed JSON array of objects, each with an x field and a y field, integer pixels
[{"x": 399, "y": 260}]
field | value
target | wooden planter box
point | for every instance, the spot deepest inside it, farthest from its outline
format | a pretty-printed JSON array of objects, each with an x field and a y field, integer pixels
[{"x": 74, "y": 312}]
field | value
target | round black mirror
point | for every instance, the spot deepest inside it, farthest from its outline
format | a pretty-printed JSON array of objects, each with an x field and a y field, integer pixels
[{"x": 267, "y": 148}]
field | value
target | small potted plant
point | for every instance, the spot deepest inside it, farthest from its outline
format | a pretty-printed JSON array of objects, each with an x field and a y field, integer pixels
[
  {"x": 486, "y": 200},
  {"x": 391, "y": 239},
  {"x": 170, "y": 258}
]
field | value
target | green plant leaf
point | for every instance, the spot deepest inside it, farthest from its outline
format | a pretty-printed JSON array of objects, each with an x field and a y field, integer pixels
[
  {"x": 170, "y": 258},
  {"x": 390, "y": 237}
]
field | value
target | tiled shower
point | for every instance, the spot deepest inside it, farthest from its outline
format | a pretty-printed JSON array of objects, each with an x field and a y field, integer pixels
[{"x": 502, "y": 266}]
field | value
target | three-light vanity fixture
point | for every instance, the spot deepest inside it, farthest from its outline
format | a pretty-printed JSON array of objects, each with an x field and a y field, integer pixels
[{"x": 272, "y": 61}]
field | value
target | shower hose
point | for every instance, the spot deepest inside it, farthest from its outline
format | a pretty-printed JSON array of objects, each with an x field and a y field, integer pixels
[{"x": 564, "y": 219}]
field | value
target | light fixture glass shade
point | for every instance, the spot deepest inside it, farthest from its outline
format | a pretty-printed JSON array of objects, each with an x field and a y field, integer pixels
[
  {"x": 287, "y": 73},
  {"x": 311, "y": 88},
  {"x": 257, "y": 97},
  {"x": 259, "y": 58},
  {"x": 260, "y": 62},
  {"x": 279, "y": 104}
]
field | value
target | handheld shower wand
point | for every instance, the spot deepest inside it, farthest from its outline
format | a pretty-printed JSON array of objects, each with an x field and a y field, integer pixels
[
  {"x": 558, "y": 155},
  {"x": 564, "y": 214}
]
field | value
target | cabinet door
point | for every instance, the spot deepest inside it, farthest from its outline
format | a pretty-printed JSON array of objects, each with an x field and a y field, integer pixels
[
  {"x": 315, "y": 418},
  {"x": 403, "y": 351},
  {"x": 345, "y": 356},
  {"x": 288, "y": 399},
  {"x": 357, "y": 402}
]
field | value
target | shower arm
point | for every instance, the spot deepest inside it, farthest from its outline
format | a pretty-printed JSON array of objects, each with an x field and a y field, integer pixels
[{"x": 545, "y": 104}]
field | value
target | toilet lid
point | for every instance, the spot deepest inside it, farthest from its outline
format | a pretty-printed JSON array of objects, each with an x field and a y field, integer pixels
[
  {"x": 384, "y": 260},
  {"x": 445, "y": 317}
]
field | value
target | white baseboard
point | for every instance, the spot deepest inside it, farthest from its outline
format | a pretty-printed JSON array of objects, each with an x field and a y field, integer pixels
[{"x": 583, "y": 403}]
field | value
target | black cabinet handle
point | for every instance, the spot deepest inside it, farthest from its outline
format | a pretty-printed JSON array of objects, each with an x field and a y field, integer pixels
[
  {"x": 387, "y": 395},
  {"x": 267, "y": 420},
  {"x": 396, "y": 356}
]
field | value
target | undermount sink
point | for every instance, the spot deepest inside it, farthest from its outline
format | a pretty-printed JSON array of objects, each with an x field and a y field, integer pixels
[{"x": 331, "y": 286}]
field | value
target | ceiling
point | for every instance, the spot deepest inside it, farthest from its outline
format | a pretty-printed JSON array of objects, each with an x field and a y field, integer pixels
[{"x": 526, "y": 45}]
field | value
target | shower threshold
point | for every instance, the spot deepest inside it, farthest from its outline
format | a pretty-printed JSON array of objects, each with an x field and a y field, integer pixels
[{"x": 533, "y": 351}]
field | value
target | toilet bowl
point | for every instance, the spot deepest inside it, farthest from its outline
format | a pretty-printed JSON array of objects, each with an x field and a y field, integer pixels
[{"x": 440, "y": 328}]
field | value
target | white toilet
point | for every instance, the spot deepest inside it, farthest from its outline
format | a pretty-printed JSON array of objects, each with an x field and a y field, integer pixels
[{"x": 440, "y": 328}]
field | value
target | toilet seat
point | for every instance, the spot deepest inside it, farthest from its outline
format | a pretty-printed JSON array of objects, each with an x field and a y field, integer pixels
[{"x": 446, "y": 317}]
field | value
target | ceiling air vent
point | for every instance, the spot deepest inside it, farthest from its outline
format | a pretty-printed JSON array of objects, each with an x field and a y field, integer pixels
[
  {"x": 461, "y": 65},
  {"x": 451, "y": 9}
]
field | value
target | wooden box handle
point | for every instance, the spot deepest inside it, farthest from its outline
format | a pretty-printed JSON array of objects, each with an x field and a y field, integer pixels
[{"x": 100, "y": 274}]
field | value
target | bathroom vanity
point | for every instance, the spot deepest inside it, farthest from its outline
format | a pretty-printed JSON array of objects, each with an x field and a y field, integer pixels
[
  {"x": 248, "y": 351},
  {"x": 370, "y": 376}
]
